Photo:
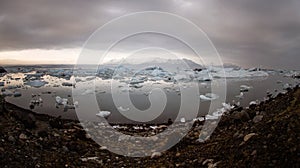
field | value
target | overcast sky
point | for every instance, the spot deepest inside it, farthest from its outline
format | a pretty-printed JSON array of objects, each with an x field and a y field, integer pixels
[{"x": 245, "y": 32}]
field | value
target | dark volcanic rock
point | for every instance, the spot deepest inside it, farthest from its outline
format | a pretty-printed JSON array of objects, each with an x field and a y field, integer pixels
[
  {"x": 2, "y": 70},
  {"x": 27, "y": 119},
  {"x": 56, "y": 123}
]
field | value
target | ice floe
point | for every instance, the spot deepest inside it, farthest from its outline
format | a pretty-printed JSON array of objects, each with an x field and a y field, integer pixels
[
  {"x": 36, "y": 83},
  {"x": 245, "y": 88},
  {"x": 123, "y": 109},
  {"x": 103, "y": 114},
  {"x": 61, "y": 101},
  {"x": 209, "y": 97}
]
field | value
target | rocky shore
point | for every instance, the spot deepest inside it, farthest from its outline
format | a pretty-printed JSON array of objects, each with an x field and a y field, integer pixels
[{"x": 263, "y": 135}]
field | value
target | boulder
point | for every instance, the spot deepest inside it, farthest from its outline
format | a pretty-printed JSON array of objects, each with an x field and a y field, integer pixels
[{"x": 2, "y": 70}]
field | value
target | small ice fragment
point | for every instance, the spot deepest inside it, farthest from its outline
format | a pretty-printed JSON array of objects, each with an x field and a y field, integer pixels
[
  {"x": 17, "y": 94},
  {"x": 123, "y": 109},
  {"x": 61, "y": 101},
  {"x": 209, "y": 97},
  {"x": 245, "y": 88},
  {"x": 103, "y": 114},
  {"x": 211, "y": 117},
  {"x": 182, "y": 120},
  {"x": 253, "y": 103},
  {"x": 67, "y": 84},
  {"x": 240, "y": 96},
  {"x": 286, "y": 86},
  {"x": 75, "y": 104}
]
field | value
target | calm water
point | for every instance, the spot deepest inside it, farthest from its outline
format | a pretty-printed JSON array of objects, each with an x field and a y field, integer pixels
[{"x": 139, "y": 96}]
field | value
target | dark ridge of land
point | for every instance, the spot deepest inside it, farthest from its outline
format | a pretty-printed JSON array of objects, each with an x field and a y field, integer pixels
[{"x": 265, "y": 135}]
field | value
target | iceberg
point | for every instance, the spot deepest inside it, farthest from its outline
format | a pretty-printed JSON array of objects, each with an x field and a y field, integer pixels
[{"x": 36, "y": 83}]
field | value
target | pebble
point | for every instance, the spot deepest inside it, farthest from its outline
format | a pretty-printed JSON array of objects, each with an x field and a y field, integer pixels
[
  {"x": 248, "y": 136},
  {"x": 65, "y": 149},
  {"x": 254, "y": 152},
  {"x": 103, "y": 148},
  {"x": 11, "y": 139},
  {"x": 22, "y": 136},
  {"x": 155, "y": 154},
  {"x": 243, "y": 116},
  {"x": 257, "y": 118}
]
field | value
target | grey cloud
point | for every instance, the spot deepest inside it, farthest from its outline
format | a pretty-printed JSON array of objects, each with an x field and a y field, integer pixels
[{"x": 248, "y": 32}]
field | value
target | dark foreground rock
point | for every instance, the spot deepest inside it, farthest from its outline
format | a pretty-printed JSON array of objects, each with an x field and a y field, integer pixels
[
  {"x": 268, "y": 135},
  {"x": 2, "y": 70}
]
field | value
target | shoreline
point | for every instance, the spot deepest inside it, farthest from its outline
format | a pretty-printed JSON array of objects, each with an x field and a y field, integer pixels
[{"x": 269, "y": 136}]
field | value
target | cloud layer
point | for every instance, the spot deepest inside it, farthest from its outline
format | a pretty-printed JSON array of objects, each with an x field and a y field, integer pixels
[{"x": 265, "y": 32}]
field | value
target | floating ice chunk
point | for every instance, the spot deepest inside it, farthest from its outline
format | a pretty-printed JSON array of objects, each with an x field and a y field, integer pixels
[
  {"x": 227, "y": 106},
  {"x": 240, "y": 96},
  {"x": 126, "y": 89},
  {"x": 286, "y": 86},
  {"x": 68, "y": 84},
  {"x": 199, "y": 119},
  {"x": 36, "y": 83},
  {"x": 253, "y": 103},
  {"x": 61, "y": 101},
  {"x": 17, "y": 94},
  {"x": 6, "y": 93},
  {"x": 136, "y": 81},
  {"x": 245, "y": 88},
  {"x": 40, "y": 100},
  {"x": 123, "y": 109},
  {"x": 75, "y": 104},
  {"x": 136, "y": 85},
  {"x": 103, "y": 114},
  {"x": 182, "y": 120},
  {"x": 87, "y": 92},
  {"x": 153, "y": 127},
  {"x": 211, "y": 117},
  {"x": 209, "y": 97}
]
